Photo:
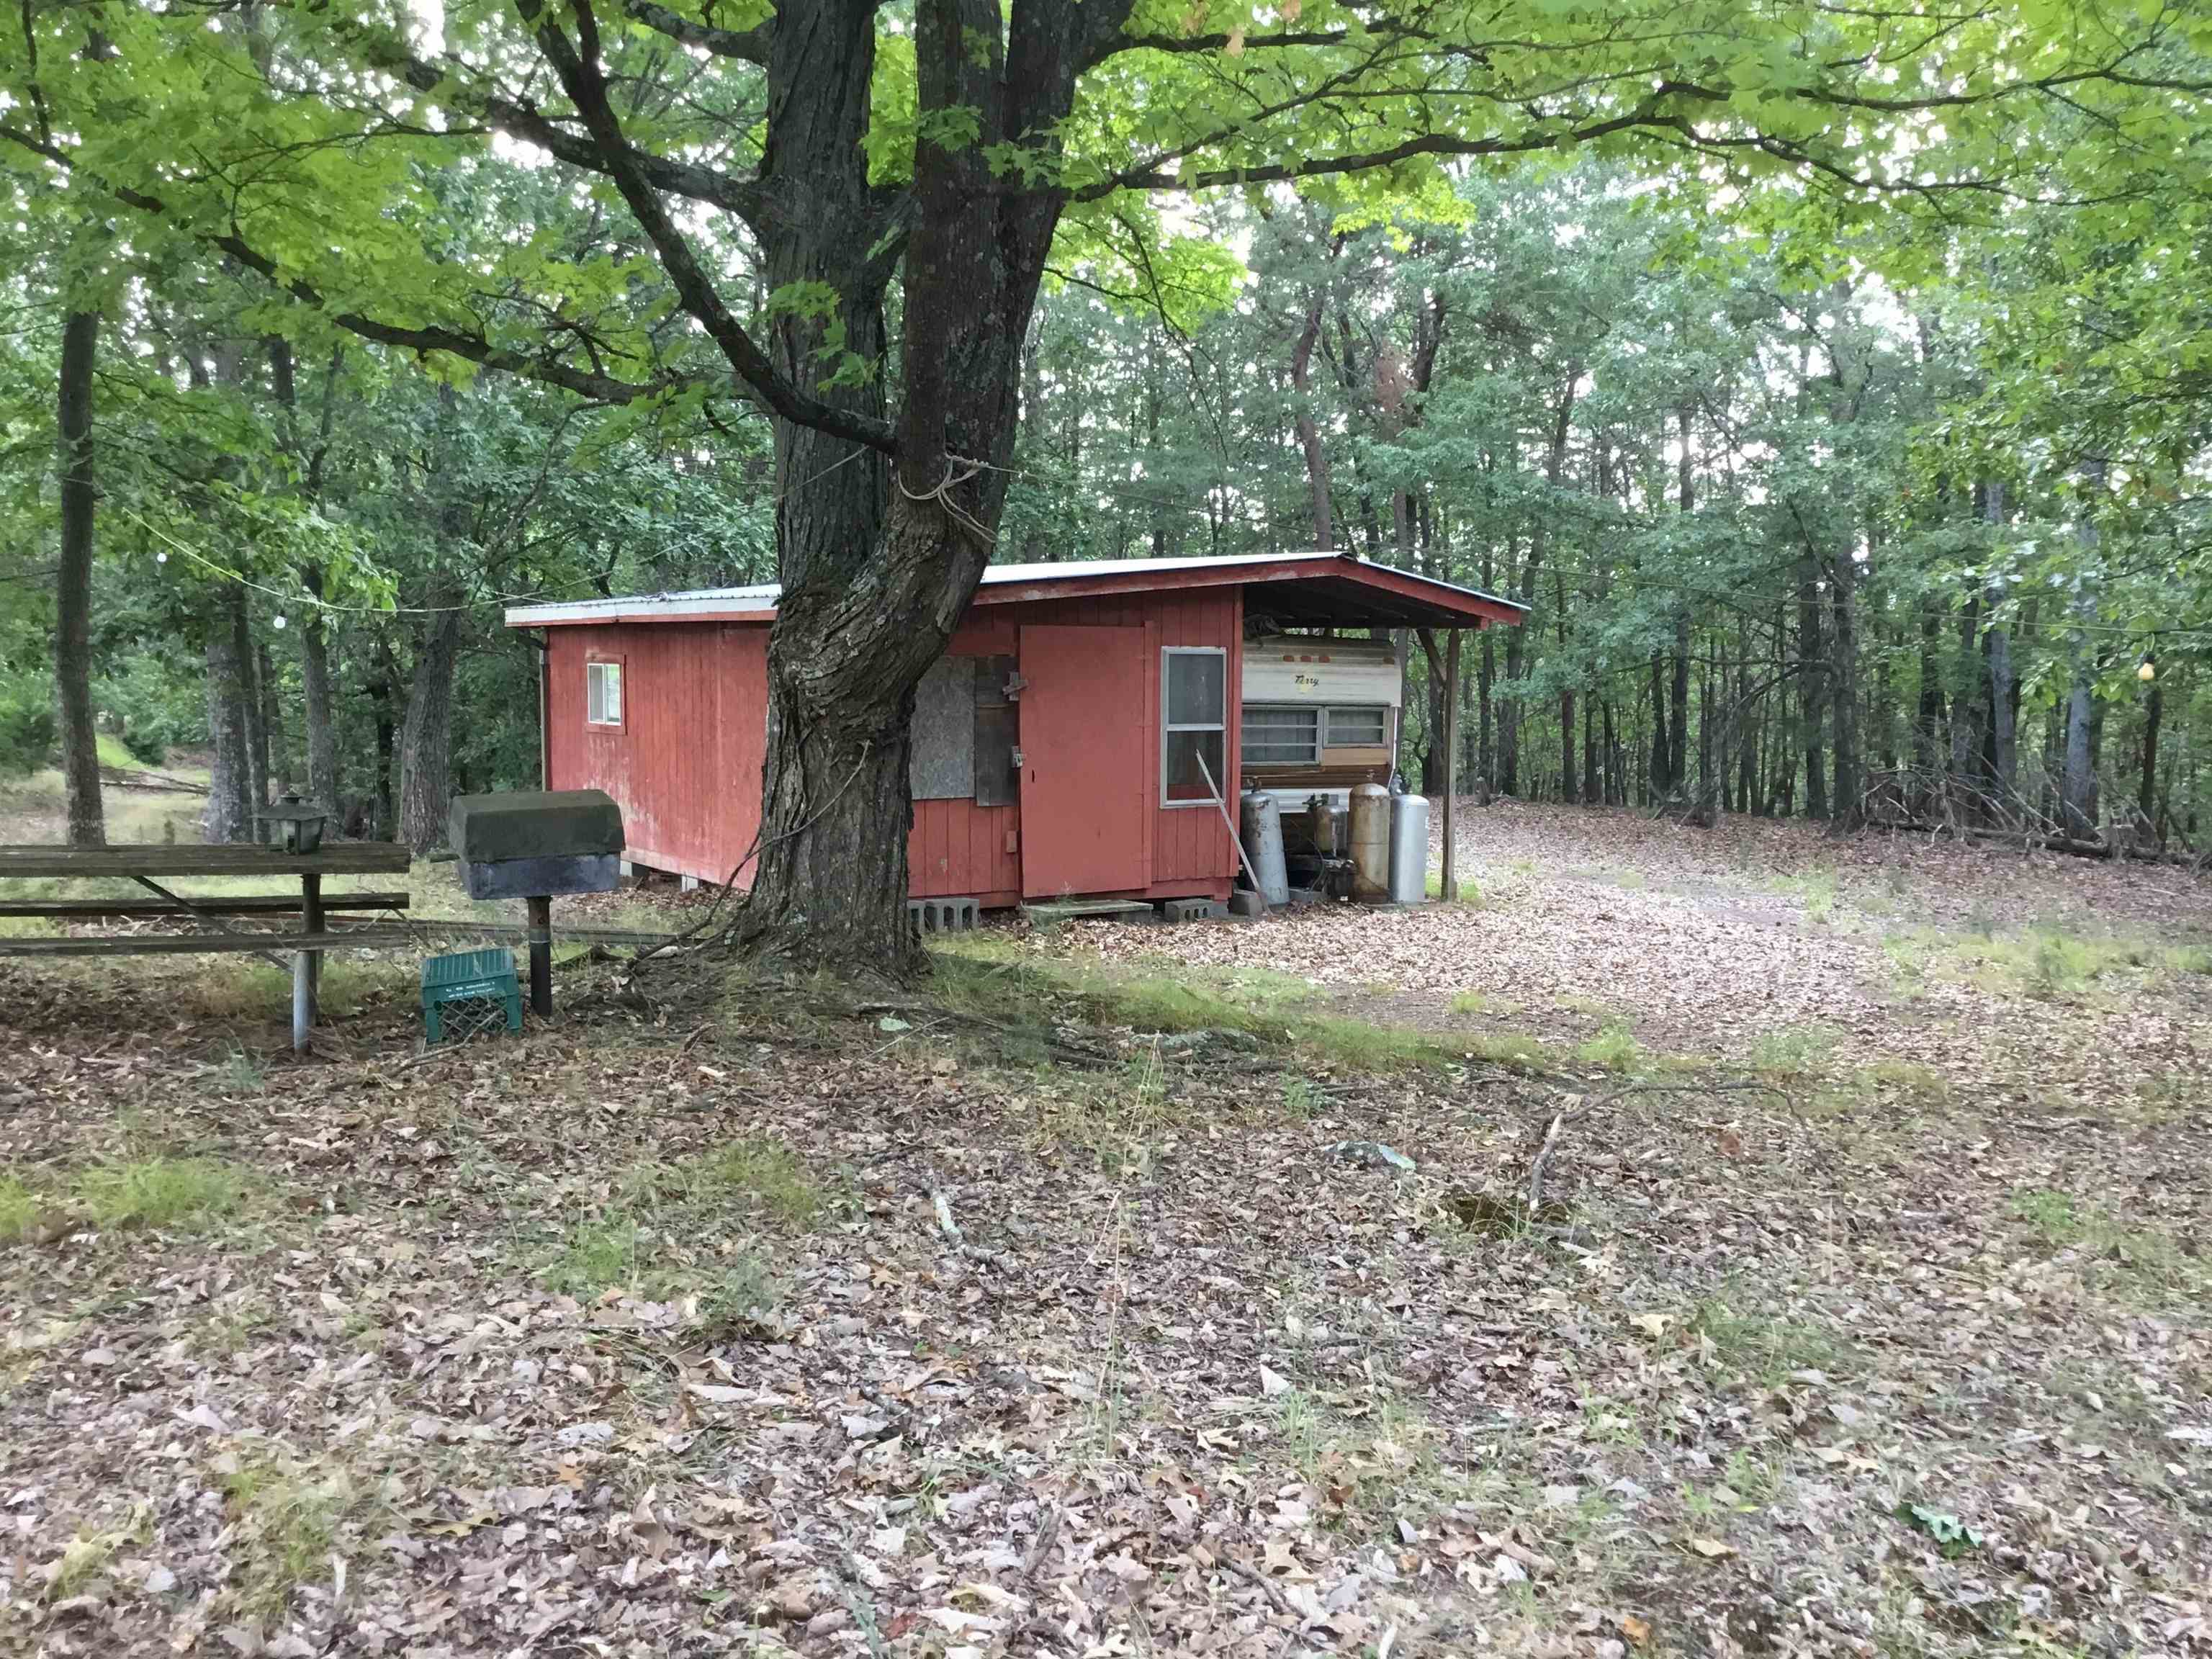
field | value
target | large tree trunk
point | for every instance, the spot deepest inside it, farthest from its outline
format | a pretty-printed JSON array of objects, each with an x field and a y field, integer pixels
[
  {"x": 425, "y": 784},
  {"x": 229, "y": 815},
  {"x": 878, "y": 563},
  {"x": 73, "y": 585}
]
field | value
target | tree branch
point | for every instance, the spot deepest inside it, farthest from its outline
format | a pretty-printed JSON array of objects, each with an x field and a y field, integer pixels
[
  {"x": 749, "y": 45},
  {"x": 472, "y": 347},
  {"x": 742, "y": 196},
  {"x": 581, "y": 77}
]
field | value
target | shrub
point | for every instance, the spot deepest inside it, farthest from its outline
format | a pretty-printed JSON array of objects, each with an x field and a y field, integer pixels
[{"x": 26, "y": 729}]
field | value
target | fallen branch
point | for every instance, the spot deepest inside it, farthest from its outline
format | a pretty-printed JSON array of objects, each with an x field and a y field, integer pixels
[{"x": 1253, "y": 1575}]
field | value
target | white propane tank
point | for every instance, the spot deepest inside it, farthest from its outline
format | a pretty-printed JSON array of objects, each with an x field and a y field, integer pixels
[
  {"x": 1409, "y": 848},
  {"x": 1260, "y": 824},
  {"x": 1371, "y": 842}
]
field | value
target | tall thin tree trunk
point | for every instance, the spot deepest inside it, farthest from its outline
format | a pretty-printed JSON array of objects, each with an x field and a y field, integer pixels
[
  {"x": 426, "y": 787},
  {"x": 1997, "y": 651},
  {"x": 73, "y": 585},
  {"x": 2146, "y": 794},
  {"x": 1811, "y": 662},
  {"x": 2077, "y": 794},
  {"x": 1309, "y": 429},
  {"x": 230, "y": 808},
  {"x": 383, "y": 694},
  {"x": 1848, "y": 802}
]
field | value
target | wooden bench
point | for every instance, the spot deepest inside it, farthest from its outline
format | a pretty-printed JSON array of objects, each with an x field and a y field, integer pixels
[{"x": 146, "y": 864}]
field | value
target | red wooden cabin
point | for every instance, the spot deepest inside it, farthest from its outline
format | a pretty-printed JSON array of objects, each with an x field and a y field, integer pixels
[{"x": 1061, "y": 747}]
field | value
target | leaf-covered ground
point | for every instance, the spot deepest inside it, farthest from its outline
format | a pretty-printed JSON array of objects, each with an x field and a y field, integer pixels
[{"x": 740, "y": 1318}]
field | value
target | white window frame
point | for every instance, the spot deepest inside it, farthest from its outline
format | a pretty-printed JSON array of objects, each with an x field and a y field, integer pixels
[
  {"x": 1320, "y": 723},
  {"x": 1168, "y": 727},
  {"x": 622, "y": 708},
  {"x": 1328, "y": 740}
]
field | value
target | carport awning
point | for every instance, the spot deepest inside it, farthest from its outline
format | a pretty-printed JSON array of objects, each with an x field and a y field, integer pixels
[{"x": 1295, "y": 590}]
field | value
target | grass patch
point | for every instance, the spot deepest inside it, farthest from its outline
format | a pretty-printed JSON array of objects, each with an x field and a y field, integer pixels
[
  {"x": 1375, "y": 1456},
  {"x": 671, "y": 1231},
  {"x": 156, "y": 1192},
  {"x": 2136, "y": 1262},
  {"x": 1794, "y": 1051},
  {"x": 1763, "y": 1347},
  {"x": 1923, "y": 1085},
  {"x": 765, "y": 1174},
  {"x": 1614, "y": 1050},
  {"x": 19, "y": 1210},
  {"x": 288, "y": 1523},
  {"x": 1470, "y": 890},
  {"x": 1021, "y": 996}
]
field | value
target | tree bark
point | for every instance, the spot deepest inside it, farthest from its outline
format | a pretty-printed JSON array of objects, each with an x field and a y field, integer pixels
[
  {"x": 1847, "y": 807},
  {"x": 2145, "y": 793},
  {"x": 321, "y": 733},
  {"x": 1309, "y": 429},
  {"x": 2077, "y": 791},
  {"x": 426, "y": 787},
  {"x": 879, "y": 562},
  {"x": 229, "y": 814},
  {"x": 1997, "y": 650},
  {"x": 1812, "y": 661},
  {"x": 80, "y": 741}
]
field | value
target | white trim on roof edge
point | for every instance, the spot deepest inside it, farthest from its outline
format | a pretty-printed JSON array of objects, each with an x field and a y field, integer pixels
[{"x": 759, "y": 599}]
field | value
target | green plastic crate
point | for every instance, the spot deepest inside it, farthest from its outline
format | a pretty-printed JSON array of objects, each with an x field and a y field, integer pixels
[{"x": 456, "y": 989}]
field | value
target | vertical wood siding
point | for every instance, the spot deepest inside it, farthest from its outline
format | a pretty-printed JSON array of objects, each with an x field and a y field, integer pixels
[{"x": 686, "y": 766}]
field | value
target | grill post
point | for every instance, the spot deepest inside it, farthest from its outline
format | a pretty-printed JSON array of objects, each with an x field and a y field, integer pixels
[{"x": 541, "y": 954}]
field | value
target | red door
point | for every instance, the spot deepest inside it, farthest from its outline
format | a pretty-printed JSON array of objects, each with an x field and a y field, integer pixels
[{"x": 1084, "y": 783}]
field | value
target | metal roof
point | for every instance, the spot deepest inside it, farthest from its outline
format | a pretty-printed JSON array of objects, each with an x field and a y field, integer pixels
[{"x": 1300, "y": 590}]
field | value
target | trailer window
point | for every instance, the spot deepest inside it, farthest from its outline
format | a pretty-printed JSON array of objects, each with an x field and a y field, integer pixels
[
  {"x": 602, "y": 694},
  {"x": 1280, "y": 736},
  {"x": 1369, "y": 725},
  {"x": 1194, "y": 724}
]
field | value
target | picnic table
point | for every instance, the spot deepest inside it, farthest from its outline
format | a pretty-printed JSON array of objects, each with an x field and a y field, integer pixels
[{"x": 148, "y": 864}]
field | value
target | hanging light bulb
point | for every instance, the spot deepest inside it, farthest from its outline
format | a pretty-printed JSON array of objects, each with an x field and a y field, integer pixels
[
  {"x": 2148, "y": 670},
  {"x": 160, "y": 558},
  {"x": 280, "y": 619}
]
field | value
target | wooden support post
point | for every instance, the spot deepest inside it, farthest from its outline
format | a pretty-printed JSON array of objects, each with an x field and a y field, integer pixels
[{"x": 1449, "y": 874}]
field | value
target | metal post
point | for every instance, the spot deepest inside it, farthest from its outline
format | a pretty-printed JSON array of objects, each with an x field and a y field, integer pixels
[
  {"x": 303, "y": 963},
  {"x": 1448, "y": 876},
  {"x": 541, "y": 955},
  {"x": 311, "y": 921}
]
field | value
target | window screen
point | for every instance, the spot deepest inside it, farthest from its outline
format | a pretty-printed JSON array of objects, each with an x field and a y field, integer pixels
[
  {"x": 1358, "y": 726},
  {"x": 1281, "y": 737},
  {"x": 602, "y": 703},
  {"x": 1193, "y": 739}
]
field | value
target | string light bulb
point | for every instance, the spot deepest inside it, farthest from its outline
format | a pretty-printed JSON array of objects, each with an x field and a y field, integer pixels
[
  {"x": 280, "y": 620},
  {"x": 2148, "y": 670}
]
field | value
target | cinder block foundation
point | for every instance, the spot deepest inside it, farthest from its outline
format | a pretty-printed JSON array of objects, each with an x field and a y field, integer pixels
[
  {"x": 1193, "y": 910},
  {"x": 942, "y": 915}
]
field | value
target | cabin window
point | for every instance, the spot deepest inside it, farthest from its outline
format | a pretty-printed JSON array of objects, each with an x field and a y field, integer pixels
[
  {"x": 1194, "y": 724},
  {"x": 602, "y": 694},
  {"x": 1281, "y": 736},
  {"x": 1370, "y": 726}
]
